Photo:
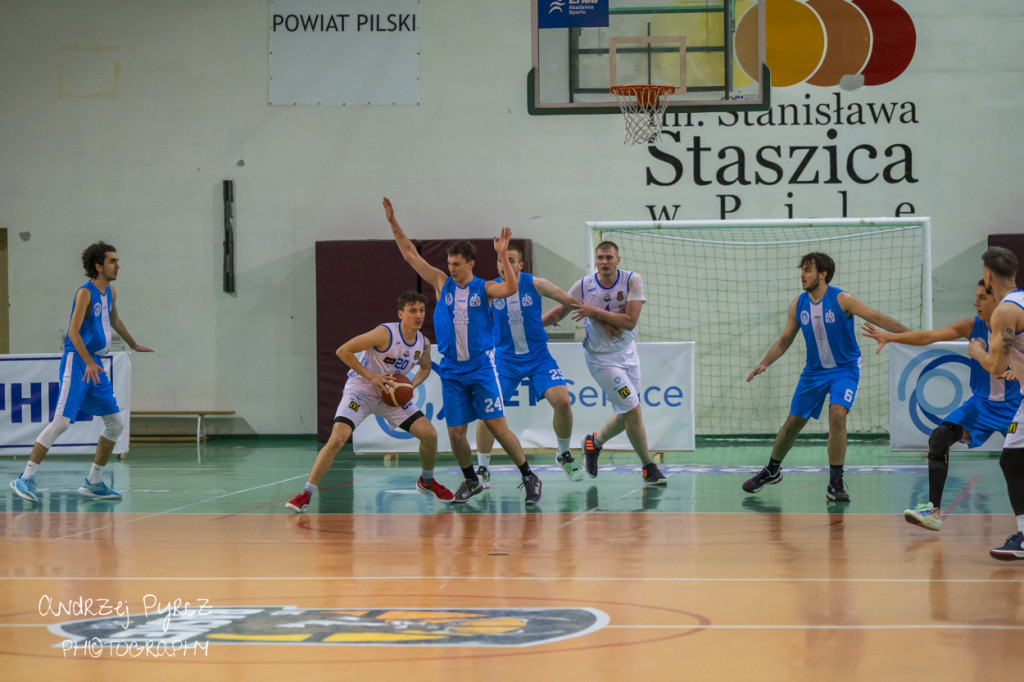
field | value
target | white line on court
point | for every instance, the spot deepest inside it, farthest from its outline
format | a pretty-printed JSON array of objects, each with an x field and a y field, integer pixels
[
  {"x": 422, "y": 578},
  {"x": 946, "y": 626},
  {"x": 176, "y": 509}
]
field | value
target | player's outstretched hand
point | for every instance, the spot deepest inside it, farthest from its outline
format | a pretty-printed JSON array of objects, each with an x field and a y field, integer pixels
[
  {"x": 977, "y": 349},
  {"x": 757, "y": 370},
  {"x": 873, "y": 332},
  {"x": 502, "y": 240},
  {"x": 389, "y": 210},
  {"x": 142, "y": 349}
]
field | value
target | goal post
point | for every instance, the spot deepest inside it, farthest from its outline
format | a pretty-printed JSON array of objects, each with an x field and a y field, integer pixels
[{"x": 727, "y": 284}]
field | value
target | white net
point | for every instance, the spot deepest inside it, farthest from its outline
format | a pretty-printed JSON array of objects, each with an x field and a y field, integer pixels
[
  {"x": 643, "y": 108},
  {"x": 728, "y": 284}
]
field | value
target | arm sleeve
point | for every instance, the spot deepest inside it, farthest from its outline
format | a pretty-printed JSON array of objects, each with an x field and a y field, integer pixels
[{"x": 636, "y": 288}]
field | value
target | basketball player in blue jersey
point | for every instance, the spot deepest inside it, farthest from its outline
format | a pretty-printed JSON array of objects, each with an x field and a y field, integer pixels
[
  {"x": 395, "y": 347},
  {"x": 84, "y": 385},
  {"x": 1006, "y": 346},
  {"x": 465, "y": 339},
  {"x": 609, "y": 303},
  {"x": 991, "y": 407},
  {"x": 521, "y": 352},
  {"x": 825, "y": 316}
]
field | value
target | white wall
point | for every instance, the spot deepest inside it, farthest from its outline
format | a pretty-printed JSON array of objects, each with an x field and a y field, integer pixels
[{"x": 143, "y": 170}]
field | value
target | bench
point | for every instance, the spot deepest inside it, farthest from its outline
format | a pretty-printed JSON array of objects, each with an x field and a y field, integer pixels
[{"x": 200, "y": 416}]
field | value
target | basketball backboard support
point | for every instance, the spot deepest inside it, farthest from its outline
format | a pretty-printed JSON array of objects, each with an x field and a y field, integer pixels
[{"x": 581, "y": 48}]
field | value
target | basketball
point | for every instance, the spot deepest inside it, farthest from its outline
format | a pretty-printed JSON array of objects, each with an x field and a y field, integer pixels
[{"x": 398, "y": 395}]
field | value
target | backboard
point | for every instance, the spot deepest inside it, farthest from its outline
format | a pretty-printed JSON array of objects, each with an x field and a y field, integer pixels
[{"x": 711, "y": 51}]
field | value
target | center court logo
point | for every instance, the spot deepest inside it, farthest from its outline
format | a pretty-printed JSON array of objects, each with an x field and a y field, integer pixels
[
  {"x": 849, "y": 43},
  {"x": 262, "y": 625}
]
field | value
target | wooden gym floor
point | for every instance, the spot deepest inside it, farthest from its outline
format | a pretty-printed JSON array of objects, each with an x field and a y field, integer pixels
[{"x": 200, "y": 573}]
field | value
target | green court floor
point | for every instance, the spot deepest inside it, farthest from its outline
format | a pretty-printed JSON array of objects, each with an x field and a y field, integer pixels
[{"x": 258, "y": 475}]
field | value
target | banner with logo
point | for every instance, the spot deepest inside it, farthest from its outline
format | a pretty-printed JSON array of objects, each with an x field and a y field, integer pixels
[
  {"x": 572, "y": 13},
  {"x": 667, "y": 404},
  {"x": 29, "y": 390},
  {"x": 926, "y": 383},
  {"x": 344, "y": 52}
]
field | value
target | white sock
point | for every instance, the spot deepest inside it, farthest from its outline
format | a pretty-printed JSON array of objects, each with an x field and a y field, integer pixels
[
  {"x": 597, "y": 442},
  {"x": 1020, "y": 523},
  {"x": 309, "y": 488},
  {"x": 95, "y": 474},
  {"x": 30, "y": 469},
  {"x": 563, "y": 445},
  {"x": 484, "y": 459},
  {"x": 427, "y": 475}
]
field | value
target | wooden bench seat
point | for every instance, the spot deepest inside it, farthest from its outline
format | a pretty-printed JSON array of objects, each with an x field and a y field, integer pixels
[{"x": 200, "y": 416}]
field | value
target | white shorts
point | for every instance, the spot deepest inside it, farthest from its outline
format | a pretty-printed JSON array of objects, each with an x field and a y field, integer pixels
[
  {"x": 356, "y": 406},
  {"x": 1015, "y": 432},
  {"x": 621, "y": 383}
]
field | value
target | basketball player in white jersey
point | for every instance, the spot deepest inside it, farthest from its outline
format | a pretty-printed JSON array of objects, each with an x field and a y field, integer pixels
[
  {"x": 609, "y": 303},
  {"x": 1006, "y": 346},
  {"x": 825, "y": 315},
  {"x": 390, "y": 348},
  {"x": 84, "y": 386}
]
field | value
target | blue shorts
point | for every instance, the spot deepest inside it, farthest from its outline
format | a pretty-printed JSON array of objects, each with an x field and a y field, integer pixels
[
  {"x": 839, "y": 383},
  {"x": 540, "y": 369},
  {"x": 470, "y": 395},
  {"x": 78, "y": 397},
  {"x": 981, "y": 418}
]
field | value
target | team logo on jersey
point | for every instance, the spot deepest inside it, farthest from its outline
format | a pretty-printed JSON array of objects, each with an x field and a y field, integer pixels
[
  {"x": 1013, "y": 428},
  {"x": 805, "y": 317},
  {"x": 415, "y": 356},
  {"x": 449, "y": 299},
  {"x": 499, "y": 304},
  {"x": 97, "y": 310},
  {"x": 474, "y": 301},
  {"x": 353, "y": 405},
  {"x": 830, "y": 316},
  {"x": 619, "y": 296},
  {"x": 389, "y": 361},
  {"x": 527, "y": 300},
  {"x": 282, "y": 625},
  {"x": 624, "y": 392},
  {"x": 607, "y": 298}
]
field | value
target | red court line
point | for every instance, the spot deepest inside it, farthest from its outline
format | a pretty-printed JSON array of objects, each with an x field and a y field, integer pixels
[{"x": 962, "y": 496}]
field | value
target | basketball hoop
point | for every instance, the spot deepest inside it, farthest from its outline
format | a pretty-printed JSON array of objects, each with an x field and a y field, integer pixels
[{"x": 643, "y": 107}]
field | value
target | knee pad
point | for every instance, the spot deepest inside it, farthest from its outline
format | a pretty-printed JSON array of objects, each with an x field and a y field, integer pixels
[
  {"x": 942, "y": 439},
  {"x": 113, "y": 425},
  {"x": 58, "y": 426}
]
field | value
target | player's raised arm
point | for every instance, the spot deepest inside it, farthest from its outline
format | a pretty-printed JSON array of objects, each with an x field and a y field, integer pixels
[
  {"x": 379, "y": 338},
  {"x": 781, "y": 344},
  {"x": 508, "y": 285},
  {"x": 433, "y": 276},
  {"x": 961, "y": 329},
  {"x": 852, "y": 305}
]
